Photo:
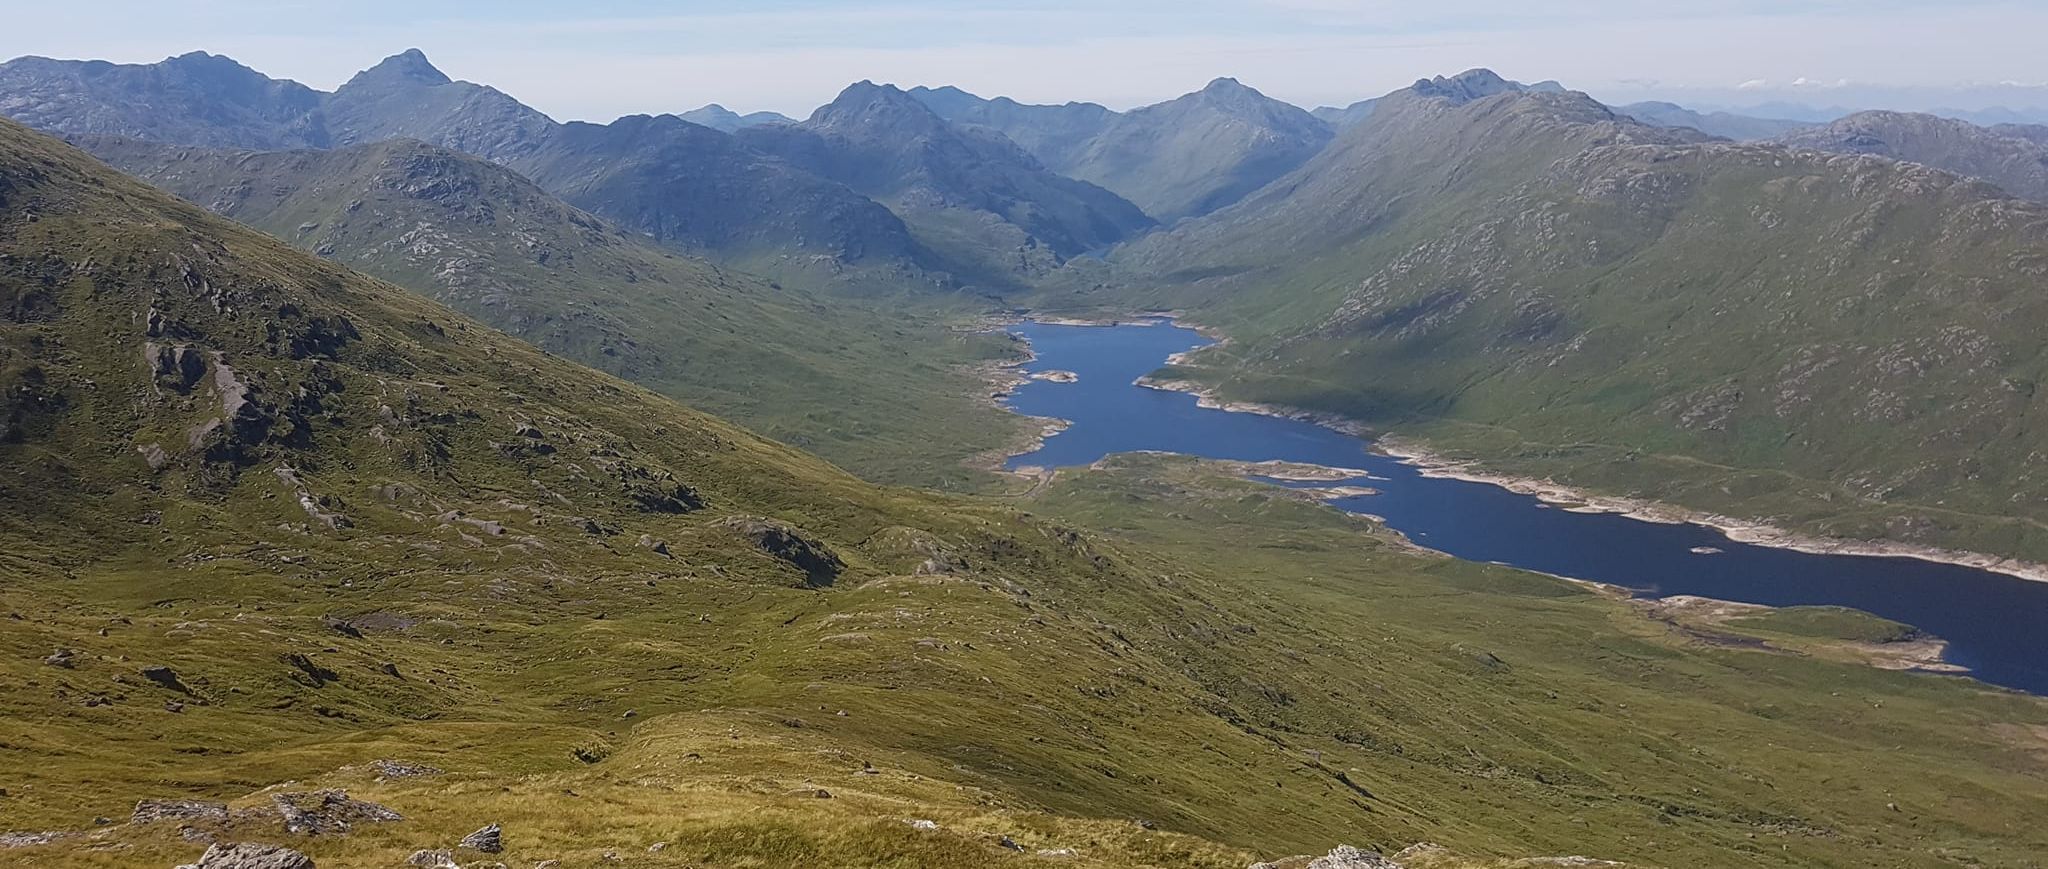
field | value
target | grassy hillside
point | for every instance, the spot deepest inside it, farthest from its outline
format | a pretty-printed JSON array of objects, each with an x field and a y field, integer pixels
[
  {"x": 267, "y": 522},
  {"x": 864, "y": 387},
  {"x": 1839, "y": 344}
]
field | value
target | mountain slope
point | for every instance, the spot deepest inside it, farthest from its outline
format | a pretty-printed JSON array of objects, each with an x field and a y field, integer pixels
[
  {"x": 196, "y": 98},
  {"x": 968, "y": 192},
  {"x": 1192, "y": 155},
  {"x": 1051, "y": 133},
  {"x": 1741, "y": 128},
  {"x": 866, "y": 388},
  {"x": 405, "y": 96},
  {"x": 1832, "y": 343},
  {"x": 370, "y": 530},
  {"x": 2015, "y": 163}
]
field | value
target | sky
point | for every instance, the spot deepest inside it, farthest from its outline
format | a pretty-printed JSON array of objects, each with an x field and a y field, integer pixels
[{"x": 596, "y": 60}]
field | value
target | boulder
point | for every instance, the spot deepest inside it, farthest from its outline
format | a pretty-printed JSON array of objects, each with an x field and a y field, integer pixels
[
  {"x": 250, "y": 855},
  {"x": 489, "y": 840},
  {"x": 165, "y": 677}
]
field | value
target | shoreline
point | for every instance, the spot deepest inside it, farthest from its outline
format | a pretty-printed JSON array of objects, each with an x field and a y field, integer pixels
[
  {"x": 1557, "y": 494},
  {"x": 1579, "y": 500}
]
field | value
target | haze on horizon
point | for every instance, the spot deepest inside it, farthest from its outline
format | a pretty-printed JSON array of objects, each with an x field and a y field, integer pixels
[{"x": 599, "y": 61}]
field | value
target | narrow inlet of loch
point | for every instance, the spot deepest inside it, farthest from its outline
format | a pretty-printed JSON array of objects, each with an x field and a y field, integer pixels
[{"x": 1996, "y": 625}]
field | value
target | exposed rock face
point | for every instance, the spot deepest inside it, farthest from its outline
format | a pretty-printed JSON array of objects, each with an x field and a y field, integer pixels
[
  {"x": 249, "y": 855},
  {"x": 808, "y": 554}
]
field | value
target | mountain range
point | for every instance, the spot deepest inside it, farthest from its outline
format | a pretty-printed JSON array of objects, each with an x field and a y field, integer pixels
[
  {"x": 366, "y": 482},
  {"x": 361, "y": 575},
  {"x": 1838, "y": 343},
  {"x": 1175, "y": 159},
  {"x": 686, "y": 185}
]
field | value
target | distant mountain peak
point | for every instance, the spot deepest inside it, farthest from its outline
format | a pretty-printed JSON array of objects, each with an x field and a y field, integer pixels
[
  {"x": 219, "y": 65},
  {"x": 865, "y": 102},
  {"x": 1472, "y": 84},
  {"x": 409, "y": 66}
]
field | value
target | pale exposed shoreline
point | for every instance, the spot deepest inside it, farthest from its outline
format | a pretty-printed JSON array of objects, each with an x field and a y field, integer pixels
[
  {"x": 1559, "y": 494},
  {"x": 1579, "y": 500}
]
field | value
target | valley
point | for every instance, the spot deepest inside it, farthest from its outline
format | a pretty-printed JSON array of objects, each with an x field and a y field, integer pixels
[{"x": 1474, "y": 476}]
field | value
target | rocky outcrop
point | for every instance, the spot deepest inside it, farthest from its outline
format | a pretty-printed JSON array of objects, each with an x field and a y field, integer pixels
[
  {"x": 250, "y": 855},
  {"x": 1341, "y": 857},
  {"x": 328, "y": 812},
  {"x": 806, "y": 553},
  {"x": 152, "y": 811},
  {"x": 402, "y": 769}
]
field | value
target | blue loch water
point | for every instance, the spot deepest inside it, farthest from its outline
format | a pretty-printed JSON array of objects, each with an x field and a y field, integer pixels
[{"x": 1996, "y": 625}]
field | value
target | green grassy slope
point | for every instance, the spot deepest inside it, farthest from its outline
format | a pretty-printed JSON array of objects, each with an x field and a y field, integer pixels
[
  {"x": 355, "y": 525},
  {"x": 1839, "y": 344},
  {"x": 862, "y": 386}
]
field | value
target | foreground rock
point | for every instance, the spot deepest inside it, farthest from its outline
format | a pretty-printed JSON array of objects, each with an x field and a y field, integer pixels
[
  {"x": 249, "y": 855},
  {"x": 151, "y": 811},
  {"x": 1341, "y": 857},
  {"x": 489, "y": 840},
  {"x": 328, "y": 812}
]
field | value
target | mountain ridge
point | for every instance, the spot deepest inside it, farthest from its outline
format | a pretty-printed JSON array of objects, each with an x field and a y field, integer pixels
[{"x": 1503, "y": 294}]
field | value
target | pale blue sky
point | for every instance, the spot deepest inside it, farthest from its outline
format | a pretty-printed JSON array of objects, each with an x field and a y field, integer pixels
[{"x": 597, "y": 60}]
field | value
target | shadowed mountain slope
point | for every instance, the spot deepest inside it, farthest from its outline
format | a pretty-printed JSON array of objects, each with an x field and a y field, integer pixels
[{"x": 967, "y": 192}]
